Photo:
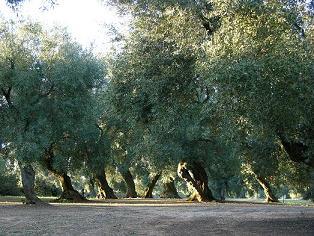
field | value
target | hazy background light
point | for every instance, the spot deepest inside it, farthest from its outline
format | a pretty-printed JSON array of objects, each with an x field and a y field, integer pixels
[{"x": 88, "y": 21}]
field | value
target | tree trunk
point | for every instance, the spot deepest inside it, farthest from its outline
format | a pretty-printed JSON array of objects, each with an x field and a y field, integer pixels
[
  {"x": 28, "y": 182},
  {"x": 104, "y": 190},
  {"x": 222, "y": 189},
  {"x": 270, "y": 197},
  {"x": 309, "y": 194},
  {"x": 92, "y": 192},
  {"x": 68, "y": 193},
  {"x": 169, "y": 190},
  {"x": 151, "y": 186},
  {"x": 196, "y": 176},
  {"x": 128, "y": 178}
]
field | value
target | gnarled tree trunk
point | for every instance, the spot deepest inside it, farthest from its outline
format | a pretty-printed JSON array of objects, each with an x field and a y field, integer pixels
[
  {"x": 28, "y": 182},
  {"x": 68, "y": 192},
  {"x": 128, "y": 178},
  {"x": 151, "y": 186},
  {"x": 270, "y": 196},
  {"x": 104, "y": 190},
  {"x": 195, "y": 175},
  {"x": 169, "y": 189}
]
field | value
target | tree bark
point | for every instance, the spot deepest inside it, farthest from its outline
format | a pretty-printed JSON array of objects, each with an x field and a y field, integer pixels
[
  {"x": 104, "y": 190},
  {"x": 195, "y": 175},
  {"x": 169, "y": 190},
  {"x": 28, "y": 182},
  {"x": 128, "y": 178},
  {"x": 270, "y": 196},
  {"x": 151, "y": 186},
  {"x": 68, "y": 192}
]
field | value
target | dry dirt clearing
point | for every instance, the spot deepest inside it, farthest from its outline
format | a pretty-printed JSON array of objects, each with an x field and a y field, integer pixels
[{"x": 156, "y": 218}]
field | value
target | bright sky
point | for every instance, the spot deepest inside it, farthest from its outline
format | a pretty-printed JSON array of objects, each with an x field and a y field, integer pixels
[{"x": 87, "y": 20}]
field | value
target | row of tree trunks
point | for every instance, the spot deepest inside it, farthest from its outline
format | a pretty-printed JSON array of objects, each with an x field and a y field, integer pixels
[
  {"x": 195, "y": 175},
  {"x": 128, "y": 179},
  {"x": 169, "y": 189},
  {"x": 201, "y": 193},
  {"x": 104, "y": 190},
  {"x": 28, "y": 182},
  {"x": 151, "y": 186}
]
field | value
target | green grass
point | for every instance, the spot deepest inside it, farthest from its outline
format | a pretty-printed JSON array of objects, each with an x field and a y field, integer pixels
[{"x": 298, "y": 202}]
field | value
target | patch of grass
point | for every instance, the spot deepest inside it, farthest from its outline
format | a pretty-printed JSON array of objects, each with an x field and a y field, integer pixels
[
  {"x": 22, "y": 199},
  {"x": 297, "y": 202}
]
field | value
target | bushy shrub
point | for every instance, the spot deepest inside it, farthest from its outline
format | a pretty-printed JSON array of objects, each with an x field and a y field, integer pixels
[{"x": 9, "y": 185}]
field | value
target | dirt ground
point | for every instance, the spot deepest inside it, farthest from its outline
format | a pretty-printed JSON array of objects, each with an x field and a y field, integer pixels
[{"x": 156, "y": 217}]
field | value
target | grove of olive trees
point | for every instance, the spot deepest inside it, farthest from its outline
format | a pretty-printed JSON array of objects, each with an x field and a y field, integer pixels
[{"x": 204, "y": 100}]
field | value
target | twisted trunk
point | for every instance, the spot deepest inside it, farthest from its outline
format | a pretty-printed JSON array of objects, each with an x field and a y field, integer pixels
[
  {"x": 151, "y": 186},
  {"x": 68, "y": 192},
  {"x": 104, "y": 190},
  {"x": 169, "y": 189},
  {"x": 270, "y": 196},
  {"x": 195, "y": 175},
  {"x": 128, "y": 179},
  {"x": 28, "y": 182}
]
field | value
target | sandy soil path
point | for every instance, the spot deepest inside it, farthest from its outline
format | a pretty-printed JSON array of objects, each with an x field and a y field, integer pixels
[{"x": 156, "y": 218}]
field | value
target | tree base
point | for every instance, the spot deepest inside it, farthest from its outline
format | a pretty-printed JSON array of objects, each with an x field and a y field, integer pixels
[
  {"x": 102, "y": 195},
  {"x": 270, "y": 200},
  {"x": 196, "y": 177},
  {"x": 72, "y": 196},
  {"x": 35, "y": 202}
]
